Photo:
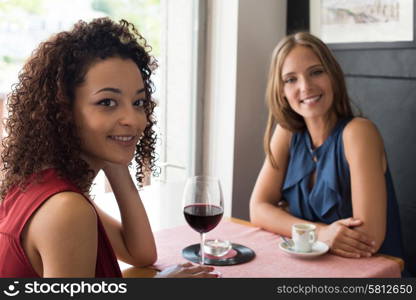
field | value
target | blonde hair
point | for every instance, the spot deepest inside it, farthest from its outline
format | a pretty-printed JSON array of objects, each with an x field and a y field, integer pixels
[{"x": 279, "y": 110}]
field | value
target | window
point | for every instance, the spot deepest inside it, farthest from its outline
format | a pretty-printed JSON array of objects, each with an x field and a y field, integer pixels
[{"x": 171, "y": 28}]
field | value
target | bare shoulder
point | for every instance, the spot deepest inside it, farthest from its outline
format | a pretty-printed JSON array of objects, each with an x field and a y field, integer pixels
[
  {"x": 68, "y": 205},
  {"x": 280, "y": 145},
  {"x": 360, "y": 128},
  {"x": 61, "y": 237},
  {"x": 281, "y": 138},
  {"x": 65, "y": 213},
  {"x": 361, "y": 135}
]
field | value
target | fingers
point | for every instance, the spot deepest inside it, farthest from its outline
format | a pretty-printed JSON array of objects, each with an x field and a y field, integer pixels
[
  {"x": 199, "y": 271},
  {"x": 188, "y": 270},
  {"x": 194, "y": 269},
  {"x": 185, "y": 265},
  {"x": 356, "y": 252},
  {"x": 352, "y": 242},
  {"x": 359, "y": 242},
  {"x": 365, "y": 242},
  {"x": 207, "y": 275},
  {"x": 360, "y": 247},
  {"x": 344, "y": 253},
  {"x": 354, "y": 234},
  {"x": 350, "y": 222},
  {"x": 348, "y": 242}
]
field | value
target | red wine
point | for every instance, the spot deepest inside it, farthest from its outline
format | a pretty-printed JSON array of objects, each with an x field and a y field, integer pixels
[{"x": 203, "y": 217}]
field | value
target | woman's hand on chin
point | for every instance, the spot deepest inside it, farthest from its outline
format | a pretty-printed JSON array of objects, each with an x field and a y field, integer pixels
[
  {"x": 344, "y": 241},
  {"x": 119, "y": 177},
  {"x": 109, "y": 167}
]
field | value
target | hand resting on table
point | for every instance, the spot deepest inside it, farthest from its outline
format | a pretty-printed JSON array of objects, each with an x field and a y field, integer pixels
[{"x": 344, "y": 240}]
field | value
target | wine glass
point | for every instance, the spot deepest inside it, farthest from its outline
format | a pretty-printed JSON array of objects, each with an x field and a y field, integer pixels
[{"x": 203, "y": 205}]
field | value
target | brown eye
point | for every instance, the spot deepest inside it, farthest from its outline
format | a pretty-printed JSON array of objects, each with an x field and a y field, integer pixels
[
  {"x": 107, "y": 102},
  {"x": 317, "y": 72},
  {"x": 139, "y": 102},
  {"x": 290, "y": 80}
]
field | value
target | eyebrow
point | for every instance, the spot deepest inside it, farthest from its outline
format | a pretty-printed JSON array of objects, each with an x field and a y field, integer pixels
[
  {"x": 116, "y": 91},
  {"x": 311, "y": 67}
]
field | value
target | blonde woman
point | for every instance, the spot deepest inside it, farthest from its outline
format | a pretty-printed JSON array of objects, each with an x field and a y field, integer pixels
[{"x": 327, "y": 165}]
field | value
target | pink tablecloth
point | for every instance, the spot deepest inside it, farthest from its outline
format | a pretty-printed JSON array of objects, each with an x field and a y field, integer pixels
[{"x": 270, "y": 261}]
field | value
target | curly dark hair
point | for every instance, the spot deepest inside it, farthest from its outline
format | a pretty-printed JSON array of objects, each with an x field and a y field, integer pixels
[{"x": 40, "y": 126}]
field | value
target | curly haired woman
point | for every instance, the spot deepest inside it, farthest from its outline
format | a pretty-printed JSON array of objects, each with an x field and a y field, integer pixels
[{"x": 82, "y": 104}]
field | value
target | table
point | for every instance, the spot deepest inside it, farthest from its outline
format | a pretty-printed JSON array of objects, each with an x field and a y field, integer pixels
[{"x": 270, "y": 261}]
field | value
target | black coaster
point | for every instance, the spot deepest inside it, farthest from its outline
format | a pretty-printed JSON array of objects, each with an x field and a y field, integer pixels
[{"x": 243, "y": 255}]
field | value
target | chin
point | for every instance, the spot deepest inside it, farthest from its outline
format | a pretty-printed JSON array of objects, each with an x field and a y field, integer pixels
[
  {"x": 314, "y": 115},
  {"x": 124, "y": 160}
]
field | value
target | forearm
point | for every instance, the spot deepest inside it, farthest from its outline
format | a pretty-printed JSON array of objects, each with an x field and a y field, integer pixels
[
  {"x": 135, "y": 227},
  {"x": 275, "y": 219}
]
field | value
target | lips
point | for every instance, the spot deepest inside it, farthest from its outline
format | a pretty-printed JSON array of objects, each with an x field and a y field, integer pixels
[
  {"x": 122, "y": 138},
  {"x": 125, "y": 140},
  {"x": 311, "y": 100}
]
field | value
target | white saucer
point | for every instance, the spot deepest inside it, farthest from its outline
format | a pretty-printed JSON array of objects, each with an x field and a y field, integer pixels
[{"x": 318, "y": 249}]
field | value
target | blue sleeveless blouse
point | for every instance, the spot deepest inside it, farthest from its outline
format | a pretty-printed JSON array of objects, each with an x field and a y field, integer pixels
[{"x": 330, "y": 198}]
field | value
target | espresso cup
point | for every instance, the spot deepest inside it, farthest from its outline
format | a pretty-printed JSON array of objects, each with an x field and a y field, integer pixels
[{"x": 303, "y": 236}]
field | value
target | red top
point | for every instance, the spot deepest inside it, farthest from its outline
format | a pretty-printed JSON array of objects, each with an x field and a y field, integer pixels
[{"x": 16, "y": 209}]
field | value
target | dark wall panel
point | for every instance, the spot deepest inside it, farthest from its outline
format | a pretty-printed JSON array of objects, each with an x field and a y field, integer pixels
[
  {"x": 380, "y": 63},
  {"x": 391, "y": 104}
]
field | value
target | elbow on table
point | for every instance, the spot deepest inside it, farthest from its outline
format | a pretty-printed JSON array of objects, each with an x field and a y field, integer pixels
[
  {"x": 254, "y": 215},
  {"x": 255, "y": 222},
  {"x": 152, "y": 259},
  {"x": 259, "y": 216},
  {"x": 145, "y": 260},
  {"x": 378, "y": 243}
]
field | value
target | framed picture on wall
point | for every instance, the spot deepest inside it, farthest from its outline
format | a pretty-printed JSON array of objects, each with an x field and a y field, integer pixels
[{"x": 349, "y": 24}]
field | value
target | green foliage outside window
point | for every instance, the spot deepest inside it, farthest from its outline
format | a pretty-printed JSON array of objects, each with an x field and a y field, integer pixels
[
  {"x": 23, "y": 20},
  {"x": 144, "y": 14}
]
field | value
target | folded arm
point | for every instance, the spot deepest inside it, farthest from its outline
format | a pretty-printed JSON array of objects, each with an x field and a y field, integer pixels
[
  {"x": 264, "y": 209},
  {"x": 132, "y": 239},
  {"x": 364, "y": 151}
]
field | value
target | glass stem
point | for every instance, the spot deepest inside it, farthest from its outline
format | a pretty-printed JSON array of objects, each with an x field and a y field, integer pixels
[{"x": 202, "y": 248}]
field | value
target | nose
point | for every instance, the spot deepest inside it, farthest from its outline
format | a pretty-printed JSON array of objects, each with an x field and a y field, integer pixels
[
  {"x": 132, "y": 117},
  {"x": 305, "y": 84}
]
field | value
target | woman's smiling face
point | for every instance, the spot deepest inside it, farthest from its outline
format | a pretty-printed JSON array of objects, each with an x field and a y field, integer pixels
[
  {"x": 109, "y": 111},
  {"x": 306, "y": 84}
]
